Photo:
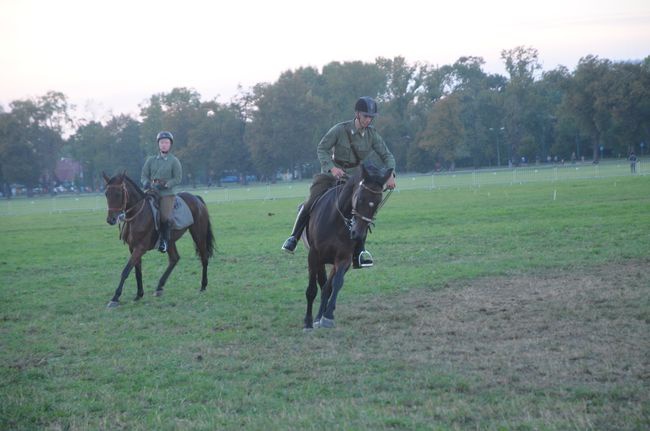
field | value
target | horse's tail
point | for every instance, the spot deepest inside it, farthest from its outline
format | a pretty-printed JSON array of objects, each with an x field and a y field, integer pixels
[
  {"x": 209, "y": 237},
  {"x": 210, "y": 243}
]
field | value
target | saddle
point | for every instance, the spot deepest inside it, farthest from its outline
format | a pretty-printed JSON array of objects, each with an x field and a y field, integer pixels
[{"x": 181, "y": 214}]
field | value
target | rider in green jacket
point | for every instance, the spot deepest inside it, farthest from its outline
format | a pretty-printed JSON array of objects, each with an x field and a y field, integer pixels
[
  {"x": 163, "y": 172},
  {"x": 340, "y": 153}
]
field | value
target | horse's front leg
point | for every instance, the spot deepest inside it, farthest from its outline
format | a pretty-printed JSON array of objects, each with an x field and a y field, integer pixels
[
  {"x": 138, "y": 279},
  {"x": 310, "y": 294},
  {"x": 172, "y": 259},
  {"x": 134, "y": 260},
  {"x": 340, "y": 268}
]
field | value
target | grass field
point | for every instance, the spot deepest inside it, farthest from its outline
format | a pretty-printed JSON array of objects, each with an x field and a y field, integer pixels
[{"x": 522, "y": 306}]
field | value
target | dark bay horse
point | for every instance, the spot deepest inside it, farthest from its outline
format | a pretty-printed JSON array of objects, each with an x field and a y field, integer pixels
[
  {"x": 128, "y": 203},
  {"x": 338, "y": 220}
]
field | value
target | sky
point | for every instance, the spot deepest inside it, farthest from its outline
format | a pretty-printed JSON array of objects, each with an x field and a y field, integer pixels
[{"x": 109, "y": 57}]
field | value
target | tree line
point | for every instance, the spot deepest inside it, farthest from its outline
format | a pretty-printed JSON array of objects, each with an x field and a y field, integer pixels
[{"x": 432, "y": 118}]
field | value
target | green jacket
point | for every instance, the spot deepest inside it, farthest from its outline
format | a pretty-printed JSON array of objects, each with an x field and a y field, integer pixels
[
  {"x": 167, "y": 169},
  {"x": 345, "y": 147}
]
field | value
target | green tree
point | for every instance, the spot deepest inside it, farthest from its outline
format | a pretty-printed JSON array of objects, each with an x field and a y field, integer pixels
[
  {"x": 396, "y": 123},
  {"x": 90, "y": 146},
  {"x": 32, "y": 139},
  {"x": 630, "y": 104},
  {"x": 587, "y": 100},
  {"x": 282, "y": 131},
  {"x": 217, "y": 141},
  {"x": 521, "y": 64},
  {"x": 444, "y": 135}
]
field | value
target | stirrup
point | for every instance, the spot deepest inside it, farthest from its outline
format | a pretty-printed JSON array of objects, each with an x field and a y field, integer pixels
[{"x": 365, "y": 259}]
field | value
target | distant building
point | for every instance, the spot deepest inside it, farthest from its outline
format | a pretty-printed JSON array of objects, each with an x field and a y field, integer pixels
[{"x": 67, "y": 170}]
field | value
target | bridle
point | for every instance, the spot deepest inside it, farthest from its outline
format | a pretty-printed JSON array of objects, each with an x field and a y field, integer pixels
[
  {"x": 125, "y": 199},
  {"x": 125, "y": 196},
  {"x": 350, "y": 222},
  {"x": 355, "y": 197}
]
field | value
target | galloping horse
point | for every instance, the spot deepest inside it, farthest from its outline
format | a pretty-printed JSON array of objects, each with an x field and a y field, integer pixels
[
  {"x": 338, "y": 220},
  {"x": 128, "y": 203}
]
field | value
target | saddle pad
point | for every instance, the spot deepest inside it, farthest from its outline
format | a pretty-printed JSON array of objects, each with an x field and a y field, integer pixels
[{"x": 181, "y": 214}]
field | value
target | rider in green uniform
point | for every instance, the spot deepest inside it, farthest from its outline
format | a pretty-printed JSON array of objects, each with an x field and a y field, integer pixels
[
  {"x": 163, "y": 172},
  {"x": 340, "y": 152}
]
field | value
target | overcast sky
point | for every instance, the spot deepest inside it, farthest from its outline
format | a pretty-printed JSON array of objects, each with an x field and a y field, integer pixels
[{"x": 110, "y": 56}]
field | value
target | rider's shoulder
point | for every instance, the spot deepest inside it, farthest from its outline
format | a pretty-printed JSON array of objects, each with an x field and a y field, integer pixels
[{"x": 344, "y": 125}]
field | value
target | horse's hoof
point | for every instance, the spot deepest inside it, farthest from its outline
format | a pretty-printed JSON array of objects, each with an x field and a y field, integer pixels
[
  {"x": 326, "y": 323},
  {"x": 316, "y": 323},
  {"x": 307, "y": 330},
  {"x": 158, "y": 292},
  {"x": 112, "y": 304},
  {"x": 137, "y": 298}
]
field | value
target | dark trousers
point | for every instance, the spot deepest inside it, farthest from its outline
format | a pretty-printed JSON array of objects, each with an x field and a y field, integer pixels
[{"x": 166, "y": 208}]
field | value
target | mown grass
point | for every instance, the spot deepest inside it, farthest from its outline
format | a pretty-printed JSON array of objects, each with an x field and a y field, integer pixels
[{"x": 235, "y": 357}]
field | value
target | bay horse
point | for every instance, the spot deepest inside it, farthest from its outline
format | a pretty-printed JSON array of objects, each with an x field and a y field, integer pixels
[
  {"x": 337, "y": 220},
  {"x": 128, "y": 203}
]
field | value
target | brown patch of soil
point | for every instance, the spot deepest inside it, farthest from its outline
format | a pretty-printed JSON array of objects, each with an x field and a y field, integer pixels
[{"x": 550, "y": 330}]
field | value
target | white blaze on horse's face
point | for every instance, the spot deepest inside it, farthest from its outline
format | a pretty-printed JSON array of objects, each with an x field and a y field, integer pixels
[{"x": 364, "y": 205}]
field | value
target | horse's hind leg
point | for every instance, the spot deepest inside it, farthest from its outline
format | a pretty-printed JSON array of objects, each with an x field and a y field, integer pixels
[
  {"x": 202, "y": 249},
  {"x": 325, "y": 293},
  {"x": 310, "y": 294},
  {"x": 173, "y": 258},
  {"x": 336, "y": 283}
]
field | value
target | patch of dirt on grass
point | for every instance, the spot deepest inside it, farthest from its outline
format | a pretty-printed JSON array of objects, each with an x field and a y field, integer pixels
[{"x": 581, "y": 329}]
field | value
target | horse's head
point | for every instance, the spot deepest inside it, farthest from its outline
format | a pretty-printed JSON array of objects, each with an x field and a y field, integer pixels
[
  {"x": 117, "y": 197},
  {"x": 366, "y": 198}
]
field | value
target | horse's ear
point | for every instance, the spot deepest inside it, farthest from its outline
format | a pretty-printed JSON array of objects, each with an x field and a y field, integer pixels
[
  {"x": 106, "y": 177},
  {"x": 123, "y": 173}
]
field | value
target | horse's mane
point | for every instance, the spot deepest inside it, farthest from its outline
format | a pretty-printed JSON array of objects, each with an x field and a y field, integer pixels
[
  {"x": 128, "y": 180},
  {"x": 375, "y": 175},
  {"x": 133, "y": 184}
]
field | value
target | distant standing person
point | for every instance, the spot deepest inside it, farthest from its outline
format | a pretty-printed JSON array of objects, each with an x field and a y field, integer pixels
[
  {"x": 162, "y": 173},
  {"x": 633, "y": 161},
  {"x": 340, "y": 153}
]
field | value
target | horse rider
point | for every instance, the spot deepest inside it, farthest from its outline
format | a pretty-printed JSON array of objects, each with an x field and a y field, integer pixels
[
  {"x": 340, "y": 153},
  {"x": 162, "y": 173}
]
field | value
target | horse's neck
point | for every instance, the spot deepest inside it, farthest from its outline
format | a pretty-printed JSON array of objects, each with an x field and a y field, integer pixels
[
  {"x": 135, "y": 195},
  {"x": 344, "y": 200}
]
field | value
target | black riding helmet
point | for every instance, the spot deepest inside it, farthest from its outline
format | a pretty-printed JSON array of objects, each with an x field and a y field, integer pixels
[
  {"x": 366, "y": 105},
  {"x": 165, "y": 135}
]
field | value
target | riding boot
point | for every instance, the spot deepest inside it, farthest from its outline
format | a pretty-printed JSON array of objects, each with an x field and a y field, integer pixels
[
  {"x": 301, "y": 222},
  {"x": 361, "y": 257},
  {"x": 164, "y": 237}
]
